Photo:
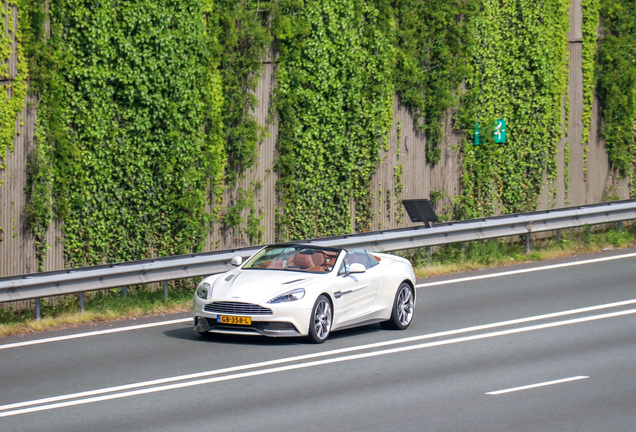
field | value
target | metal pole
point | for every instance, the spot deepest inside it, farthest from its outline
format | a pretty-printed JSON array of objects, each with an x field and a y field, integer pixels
[
  {"x": 558, "y": 233},
  {"x": 620, "y": 227},
  {"x": 124, "y": 291},
  {"x": 81, "y": 302},
  {"x": 527, "y": 243},
  {"x": 38, "y": 309},
  {"x": 165, "y": 289},
  {"x": 428, "y": 256}
]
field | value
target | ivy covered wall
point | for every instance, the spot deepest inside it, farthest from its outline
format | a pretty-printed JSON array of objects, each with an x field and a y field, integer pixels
[
  {"x": 146, "y": 110},
  {"x": 334, "y": 103},
  {"x": 519, "y": 59},
  {"x": 130, "y": 137},
  {"x": 14, "y": 82},
  {"x": 432, "y": 61},
  {"x": 616, "y": 77},
  {"x": 145, "y": 119}
]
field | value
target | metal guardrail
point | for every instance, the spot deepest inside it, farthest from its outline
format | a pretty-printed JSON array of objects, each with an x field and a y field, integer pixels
[{"x": 80, "y": 280}]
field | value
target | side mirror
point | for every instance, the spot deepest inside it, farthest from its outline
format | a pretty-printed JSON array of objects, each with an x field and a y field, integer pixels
[
  {"x": 237, "y": 261},
  {"x": 357, "y": 268}
]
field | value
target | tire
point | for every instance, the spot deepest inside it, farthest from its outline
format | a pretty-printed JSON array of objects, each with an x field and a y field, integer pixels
[
  {"x": 403, "y": 309},
  {"x": 320, "y": 320}
]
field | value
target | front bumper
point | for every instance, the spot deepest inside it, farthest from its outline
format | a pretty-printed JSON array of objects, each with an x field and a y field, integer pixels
[
  {"x": 264, "y": 328},
  {"x": 285, "y": 320}
]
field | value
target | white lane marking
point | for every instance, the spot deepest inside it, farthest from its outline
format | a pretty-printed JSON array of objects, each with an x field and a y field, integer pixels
[
  {"x": 532, "y": 386},
  {"x": 527, "y": 270},
  {"x": 424, "y": 285},
  {"x": 94, "y": 333},
  {"x": 313, "y": 356},
  {"x": 308, "y": 364}
]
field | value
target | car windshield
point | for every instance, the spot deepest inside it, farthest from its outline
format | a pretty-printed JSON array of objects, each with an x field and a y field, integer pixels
[{"x": 294, "y": 257}]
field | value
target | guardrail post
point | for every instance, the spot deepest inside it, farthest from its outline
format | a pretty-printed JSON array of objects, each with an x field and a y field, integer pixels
[
  {"x": 38, "y": 309},
  {"x": 620, "y": 227},
  {"x": 124, "y": 291},
  {"x": 81, "y": 302},
  {"x": 527, "y": 243},
  {"x": 558, "y": 233},
  {"x": 165, "y": 289},
  {"x": 428, "y": 256}
]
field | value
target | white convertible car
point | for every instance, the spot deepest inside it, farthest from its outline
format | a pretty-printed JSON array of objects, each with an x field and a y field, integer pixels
[{"x": 305, "y": 290}]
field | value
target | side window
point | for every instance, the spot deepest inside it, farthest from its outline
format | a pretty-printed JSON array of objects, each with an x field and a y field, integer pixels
[
  {"x": 373, "y": 261},
  {"x": 359, "y": 256},
  {"x": 344, "y": 267}
]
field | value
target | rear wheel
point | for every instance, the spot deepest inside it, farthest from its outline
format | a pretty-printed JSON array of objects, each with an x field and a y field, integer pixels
[
  {"x": 403, "y": 308},
  {"x": 321, "y": 319}
]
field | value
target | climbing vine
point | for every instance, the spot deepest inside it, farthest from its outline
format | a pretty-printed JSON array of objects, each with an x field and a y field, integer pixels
[
  {"x": 617, "y": 83},
  {"x": 431, "y": 40},
  {"x": 243, "y": 39},
  {"x": 590, "y": 9},
  {"x": 519, "y": 59},
  {"x": 131, "y": 134},
  {"x": 13, "y": 89},
  {"x": 334, "y": 103},
  {"x": 398, "y": 174},
  {"x": 243, "y": 36},
  {"x": 252, "y": 223}
]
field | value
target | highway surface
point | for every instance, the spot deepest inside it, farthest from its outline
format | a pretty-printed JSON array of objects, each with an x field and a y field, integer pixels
[{"x": 540, "y": 347}]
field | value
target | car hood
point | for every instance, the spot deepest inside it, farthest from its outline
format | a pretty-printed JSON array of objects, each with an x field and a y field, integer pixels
[{"x": 259, "y": 286}]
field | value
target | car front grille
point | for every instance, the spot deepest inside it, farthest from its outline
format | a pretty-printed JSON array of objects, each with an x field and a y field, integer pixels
[{"x": 237, "y": 308}]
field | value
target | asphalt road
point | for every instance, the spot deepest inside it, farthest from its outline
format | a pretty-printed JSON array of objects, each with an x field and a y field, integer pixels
[{"x": 526, "y": 348}]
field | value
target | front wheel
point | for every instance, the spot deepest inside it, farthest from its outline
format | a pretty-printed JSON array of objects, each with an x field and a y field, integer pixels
[
  {"x": 403, "y": 308},
  {"x": 320, "y": 322}
]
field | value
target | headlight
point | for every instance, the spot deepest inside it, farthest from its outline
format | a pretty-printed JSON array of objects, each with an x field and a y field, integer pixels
[
  {"x": 296, "y": 294},
  {"x": 204, "y": 290}
]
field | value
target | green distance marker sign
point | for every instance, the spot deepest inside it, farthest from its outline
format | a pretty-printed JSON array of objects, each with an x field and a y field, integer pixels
[
  {"x": 476, "y": 139},
  {"x": 499, "y": 132}
]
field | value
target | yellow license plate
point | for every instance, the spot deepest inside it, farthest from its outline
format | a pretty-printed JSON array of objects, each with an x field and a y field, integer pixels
[{"x": 225, "y": 319}]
